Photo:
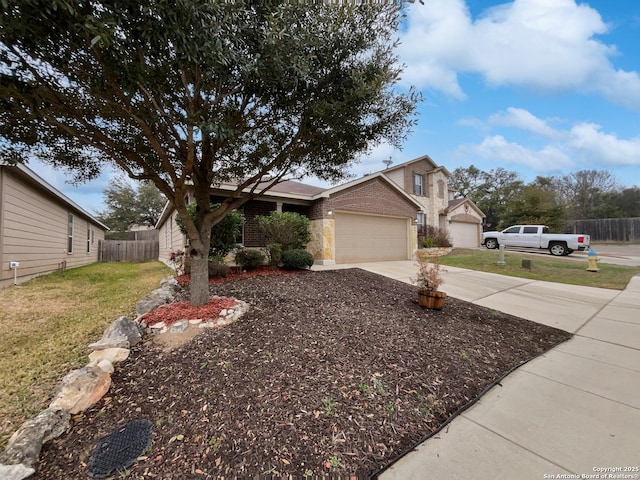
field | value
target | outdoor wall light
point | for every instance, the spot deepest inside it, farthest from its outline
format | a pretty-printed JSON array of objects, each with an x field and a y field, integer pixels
[{"x": 329, "y": 212}]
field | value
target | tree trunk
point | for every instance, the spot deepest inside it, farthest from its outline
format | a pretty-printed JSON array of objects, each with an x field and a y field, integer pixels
[
  {"x": 200, "y": 268},
  {"x": 199, "y": 279}
]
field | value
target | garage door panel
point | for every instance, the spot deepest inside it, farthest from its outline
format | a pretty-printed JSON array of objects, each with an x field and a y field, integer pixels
[
  {"x": 464, "y": 235},
  {"x": 367, "y": 238}
]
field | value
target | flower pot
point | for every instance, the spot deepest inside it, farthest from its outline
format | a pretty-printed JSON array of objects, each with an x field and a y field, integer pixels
[{"x": 431, "y": 299}]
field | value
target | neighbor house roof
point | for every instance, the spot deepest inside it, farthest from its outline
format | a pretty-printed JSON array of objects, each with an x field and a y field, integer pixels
[
  {"x": 429, "y": 160},
  {"x": 286, "y": 189}
]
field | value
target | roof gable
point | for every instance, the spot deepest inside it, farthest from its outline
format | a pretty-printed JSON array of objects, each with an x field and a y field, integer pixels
[
  {"x": 424, "y": 158},
  {"x": 460, "y": 202},
  {"x": 330, "y": 191}
]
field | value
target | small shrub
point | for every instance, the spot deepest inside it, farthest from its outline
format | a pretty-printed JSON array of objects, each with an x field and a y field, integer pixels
[
  {"x": 217, "y": 269},
  {"x": 429, "y": 270},
  {"x": 177, "y": 260},
  {"x": 275, "y": 254},
  {"x": 249, "y": 259},
  {"x": 291, "y": 230},
  {"x": 297, "y": 259},
  {"x": 435, "y": 237}
]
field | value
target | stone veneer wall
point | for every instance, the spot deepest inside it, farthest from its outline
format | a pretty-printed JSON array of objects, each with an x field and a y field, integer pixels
[
  {"x": 413, "y": 238},
  {"x": 322, "y": 245}
]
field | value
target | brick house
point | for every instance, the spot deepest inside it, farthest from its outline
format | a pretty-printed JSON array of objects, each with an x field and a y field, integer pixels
[
  {"x": 368, "y": 219},
  {"x": 374, "y": 218},
  {"x": 427, "y": 182}
]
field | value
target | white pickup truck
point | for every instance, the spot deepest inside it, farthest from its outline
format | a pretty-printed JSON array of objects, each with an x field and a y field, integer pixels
[{"x": 536, "y": 236}]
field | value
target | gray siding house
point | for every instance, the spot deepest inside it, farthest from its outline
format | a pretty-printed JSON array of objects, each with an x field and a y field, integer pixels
[{"x": 41, "y": 229}]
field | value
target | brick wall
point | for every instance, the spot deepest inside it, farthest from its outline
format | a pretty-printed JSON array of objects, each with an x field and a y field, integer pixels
[
  {"x": 252, "y": 236},
  {"x": 421, "y": 168},
  {"x": 319, "y": 209},
  {"x": 374, "y": 196}
]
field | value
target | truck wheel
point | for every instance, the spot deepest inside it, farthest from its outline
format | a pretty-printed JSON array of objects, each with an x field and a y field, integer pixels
[
  {"x": 558, "y": 249},
  {"x": 491, "y": 243}
]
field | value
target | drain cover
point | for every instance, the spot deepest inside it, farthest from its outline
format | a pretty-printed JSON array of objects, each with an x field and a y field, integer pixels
[{"x": 119, "y": 450}]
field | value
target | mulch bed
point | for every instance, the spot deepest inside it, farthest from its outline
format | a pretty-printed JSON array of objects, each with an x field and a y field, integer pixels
[
  {"x": 332, "y": 373},
  {"x": 169, "y": 314},
  {"x": 237, "y": 274}
]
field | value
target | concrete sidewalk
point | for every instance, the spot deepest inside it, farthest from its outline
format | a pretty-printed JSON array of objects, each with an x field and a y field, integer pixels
[{"x": 574, "y": 410}]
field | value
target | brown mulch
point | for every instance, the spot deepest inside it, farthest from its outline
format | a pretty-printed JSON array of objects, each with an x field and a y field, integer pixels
[
  {"x": 169, "y": 314},
  {"x": 237, "y": 274},
  {"x": 332, "y": 373}
]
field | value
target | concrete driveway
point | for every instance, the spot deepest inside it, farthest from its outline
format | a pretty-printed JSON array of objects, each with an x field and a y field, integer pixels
[{"x": 573, "y": 411}]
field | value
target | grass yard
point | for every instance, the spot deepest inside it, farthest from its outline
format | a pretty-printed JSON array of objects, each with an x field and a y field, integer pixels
[
  {"x": 47, "y": 323},
  {"x": 544, "y": 267}
]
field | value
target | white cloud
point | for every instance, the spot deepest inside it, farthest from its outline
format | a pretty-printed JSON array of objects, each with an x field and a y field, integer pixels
[
  {"x": 435, "y": 45},
  {"x": 602, "y": 148},
  {"x": 524, "y": 120},
  {"x": 583, "y": 146},
  {"x": 473, "y": 122},
  {"x": 547, "y": 45},
  {"x": 545, "y": 160}
]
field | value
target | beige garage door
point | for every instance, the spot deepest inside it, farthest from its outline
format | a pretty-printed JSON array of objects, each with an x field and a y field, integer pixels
[
  {"x": 369, "y": 238},
  {"x": 464, "y": 235}
]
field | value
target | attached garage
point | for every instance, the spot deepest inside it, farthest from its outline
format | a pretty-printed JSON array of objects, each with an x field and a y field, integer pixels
[
  {"x": 371, "y": 238},
  {"x": 464, "y": 235},
  {"x": 465, "y": 223}
]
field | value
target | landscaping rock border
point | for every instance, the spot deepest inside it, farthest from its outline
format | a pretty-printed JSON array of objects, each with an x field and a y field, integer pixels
[{"x": 82, "y": 388}]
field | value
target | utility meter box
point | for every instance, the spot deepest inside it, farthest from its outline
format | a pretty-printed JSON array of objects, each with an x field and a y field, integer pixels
[{"x": 14, "y": 265}]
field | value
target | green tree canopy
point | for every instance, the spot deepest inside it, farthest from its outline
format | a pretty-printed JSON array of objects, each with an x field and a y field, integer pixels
[
  {"x": 129, "y": 205},
  {"x": 489, "y": 190},
  {"x": 584, "y": 193},
  {"x": 195, "y": 93},
  {"x": 534, "y": 205}
]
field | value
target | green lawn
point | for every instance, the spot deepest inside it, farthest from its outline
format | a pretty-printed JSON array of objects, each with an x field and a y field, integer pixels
[
  {"x": 544, "y": 267},
  {"x": 48, "y": 322}
]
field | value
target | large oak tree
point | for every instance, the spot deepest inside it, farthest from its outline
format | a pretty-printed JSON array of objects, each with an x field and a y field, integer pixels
[{"x": 192, "y": 93}]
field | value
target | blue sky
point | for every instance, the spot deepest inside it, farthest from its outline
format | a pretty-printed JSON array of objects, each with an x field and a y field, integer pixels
[{"x": 541, "y": 87}]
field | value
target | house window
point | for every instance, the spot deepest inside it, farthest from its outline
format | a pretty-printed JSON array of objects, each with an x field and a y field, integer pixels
[
  {"x": 70, "y": 234},
  {"x": 88, "y": 239},
  {"x": 418, "y": 184},
  {"x": 421, "y": 220}
]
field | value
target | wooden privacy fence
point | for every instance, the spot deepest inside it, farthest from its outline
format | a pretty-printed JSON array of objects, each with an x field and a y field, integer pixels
[
  {"x": 133, "y": 235},
  {"x": 128, "y": 250},
  {"x": 609, "y": 229}
]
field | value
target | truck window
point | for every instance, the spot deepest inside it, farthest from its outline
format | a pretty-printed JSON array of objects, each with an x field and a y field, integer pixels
[
  {"x": 530, "y": 230},
  {"x": 512, "y": 230}
]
